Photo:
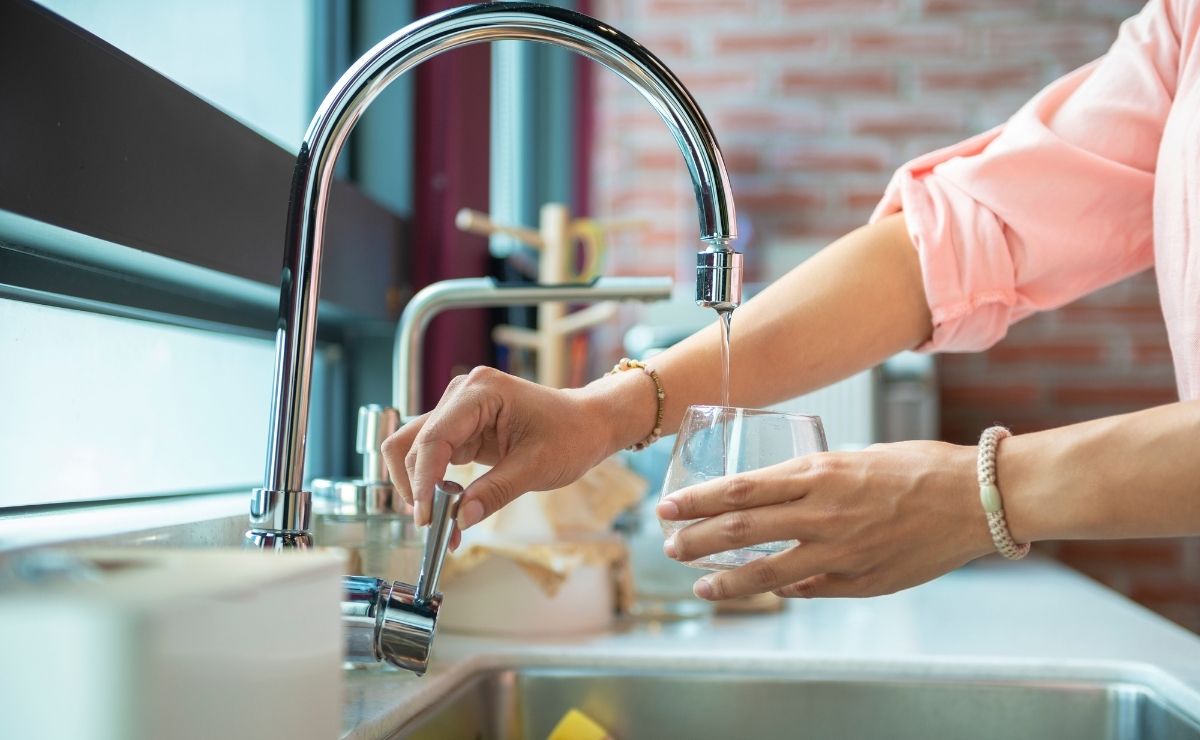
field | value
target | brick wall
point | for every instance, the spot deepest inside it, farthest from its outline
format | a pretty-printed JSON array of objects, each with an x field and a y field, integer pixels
[{"x": 815, "y": 103}]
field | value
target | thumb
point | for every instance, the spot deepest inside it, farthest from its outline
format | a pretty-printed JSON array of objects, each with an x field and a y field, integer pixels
[{"x": 490, "y": 492}]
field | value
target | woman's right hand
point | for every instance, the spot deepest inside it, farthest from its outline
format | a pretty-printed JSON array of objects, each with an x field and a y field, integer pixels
[{"x": 535, "y": 438}]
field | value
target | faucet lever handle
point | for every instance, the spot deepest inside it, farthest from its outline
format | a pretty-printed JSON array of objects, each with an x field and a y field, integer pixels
[
  {"x": 447, "y": 495},
  {"x": 375, "y": 424}
]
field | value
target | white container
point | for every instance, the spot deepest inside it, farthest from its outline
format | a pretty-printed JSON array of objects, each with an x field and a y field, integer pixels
[
  {"x": 498, "y": 597},
  {"x": 175, "y": 644}
]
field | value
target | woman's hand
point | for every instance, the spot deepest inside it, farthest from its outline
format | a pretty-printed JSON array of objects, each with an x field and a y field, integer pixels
[
  {"x": 536, "y": 438},
  {"x": 869, "y": 523}
]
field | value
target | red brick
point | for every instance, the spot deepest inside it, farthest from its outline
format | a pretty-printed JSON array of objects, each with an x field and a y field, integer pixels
[
  {"x": 751, "y": 119},
  {"x": 984, "y": 79},
  {"x": 740, "y": 161},
  {"x": 1166, "y": 591},
  {"x": 1124, "y": 314},
  {"x": 1026, "y": 39},
  {"x": 880, "y": 80},
  {"x": 657, "y": 160},
  {"x": 902, "y": 122},
  {"x": 698, "y": 7},
  {"x": 864, "y": 198},
  {"x": 766, "y": 119},
  {"x": 844, "y": 7},
  {"x": 647, "y": 198},
  {"x": 721, "y": 80},
  {"x": 1167, "y": 553},
  {"x": 907, "y": 42},
  {"x": 1057, "y": 353},
  {"x": 988, "y": 7},
  {"x": 1115, "y": 10},
  {"x": 988, "y": 395},
  {"x": 644, "y": 268},
  {"x": 836, "y": 159},
  {"x": 768, "y": 42},
  {"x": 671, "y": 46},
  {"x": 779, "y": 199},
  {"x": 641, "y": 117},
  {"x": 1115, "y": 395},
  {"x": 1185, "y": 615},
  {"x": 823, "y": 226},
  {"x": 1151, "y": 352}
]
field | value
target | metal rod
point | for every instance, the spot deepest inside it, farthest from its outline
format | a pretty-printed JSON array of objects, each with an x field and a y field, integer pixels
[
  {"x": 475, "y": 292},
  {"x": 446, "y": 497}
]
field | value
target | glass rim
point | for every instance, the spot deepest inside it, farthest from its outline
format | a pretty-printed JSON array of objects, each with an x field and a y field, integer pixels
[{"x": 754, "y": 412}]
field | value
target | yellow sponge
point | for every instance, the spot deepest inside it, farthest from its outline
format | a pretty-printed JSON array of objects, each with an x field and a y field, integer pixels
[{"x": 575, "y": 725}]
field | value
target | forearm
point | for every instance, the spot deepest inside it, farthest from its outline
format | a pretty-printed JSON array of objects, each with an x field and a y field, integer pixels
[
  {"x": 852, "y": 305},
  {"x": 1135, "y": 475}
]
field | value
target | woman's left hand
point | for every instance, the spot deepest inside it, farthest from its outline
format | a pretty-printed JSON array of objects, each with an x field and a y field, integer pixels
[{"x": 869, "y": 522}]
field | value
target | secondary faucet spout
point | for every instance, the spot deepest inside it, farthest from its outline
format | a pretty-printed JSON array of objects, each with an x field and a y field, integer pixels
[{"x": 280, "y": 510}]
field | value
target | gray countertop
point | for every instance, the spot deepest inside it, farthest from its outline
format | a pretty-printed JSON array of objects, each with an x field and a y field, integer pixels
[{"x": 994, "y": 619}]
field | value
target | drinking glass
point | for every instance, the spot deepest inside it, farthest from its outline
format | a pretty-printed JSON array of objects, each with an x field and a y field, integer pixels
[{"x": 715, "y": 441}]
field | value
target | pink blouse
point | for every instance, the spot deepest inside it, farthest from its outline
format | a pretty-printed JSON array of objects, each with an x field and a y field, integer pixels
[{"x": 1094, "y": 179}]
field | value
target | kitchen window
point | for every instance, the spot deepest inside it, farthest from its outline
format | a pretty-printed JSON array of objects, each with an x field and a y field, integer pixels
[{"x": 145, "y": 156}]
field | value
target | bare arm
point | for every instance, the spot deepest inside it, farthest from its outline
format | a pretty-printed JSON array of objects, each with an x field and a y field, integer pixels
[
  {"x": 857, "y": 302},
  {"x": 1134, "y": 475},
  {"x": 852, "y": 305},
  {"x": 897, "y": 515}
]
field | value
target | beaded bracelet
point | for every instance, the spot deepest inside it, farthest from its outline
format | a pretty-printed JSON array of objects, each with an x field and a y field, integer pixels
[
  {"x": 989, "y": 495},
  {"x": 656, "y": 433}
]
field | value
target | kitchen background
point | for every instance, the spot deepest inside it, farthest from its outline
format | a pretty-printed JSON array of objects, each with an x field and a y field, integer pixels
[{"x": 816, "y": 102}]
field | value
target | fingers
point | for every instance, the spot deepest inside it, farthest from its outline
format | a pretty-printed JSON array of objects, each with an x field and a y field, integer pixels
[
  {"x": 736, "y": 529},
  {"x": 491, "y": 491},
  {"x": 395, "y": 448},
  {"x": 459, "y": 419},
  {"x": 762, "y": 487},
  {"x": 826, "y": 585},
  {"x": 765, "y": 574}
]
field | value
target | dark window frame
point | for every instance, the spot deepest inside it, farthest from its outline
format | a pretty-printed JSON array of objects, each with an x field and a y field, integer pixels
[
  {"x": 124, "y": 193},
  {"x": 135, "y": 167}
]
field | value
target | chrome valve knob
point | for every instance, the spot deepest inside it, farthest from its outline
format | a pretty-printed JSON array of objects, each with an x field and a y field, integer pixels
[
  {"x": 396, "y": 622},
  {"x": 373, "y": 493}
]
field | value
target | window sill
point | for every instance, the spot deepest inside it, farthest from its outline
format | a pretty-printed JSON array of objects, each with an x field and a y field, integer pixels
[{"x": 210, "y": 520}]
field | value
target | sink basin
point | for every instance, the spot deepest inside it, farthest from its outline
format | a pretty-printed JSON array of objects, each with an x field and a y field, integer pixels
[{"x": 525, "y": 704}]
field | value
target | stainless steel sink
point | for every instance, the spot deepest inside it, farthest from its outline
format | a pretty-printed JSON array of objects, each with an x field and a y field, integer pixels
[{"x": 525, "y": 704}]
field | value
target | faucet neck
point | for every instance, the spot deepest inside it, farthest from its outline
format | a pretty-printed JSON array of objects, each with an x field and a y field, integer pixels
[{"x": 282, "y": 504}]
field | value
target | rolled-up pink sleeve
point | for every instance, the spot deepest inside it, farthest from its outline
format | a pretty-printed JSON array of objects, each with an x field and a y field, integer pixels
[{"x": 1054, "y": 204}]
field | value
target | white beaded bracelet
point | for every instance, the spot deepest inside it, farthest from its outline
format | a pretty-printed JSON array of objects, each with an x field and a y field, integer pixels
[{"x": 989, "y": 495}]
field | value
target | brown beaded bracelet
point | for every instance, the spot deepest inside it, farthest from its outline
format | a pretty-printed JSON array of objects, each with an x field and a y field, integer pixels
[{"x": 656, "y": 433}]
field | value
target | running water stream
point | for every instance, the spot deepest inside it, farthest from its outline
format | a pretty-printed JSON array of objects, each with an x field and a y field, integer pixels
[
  {"x": 726, "y": 319},
  {"x": 728, "y": 461}
]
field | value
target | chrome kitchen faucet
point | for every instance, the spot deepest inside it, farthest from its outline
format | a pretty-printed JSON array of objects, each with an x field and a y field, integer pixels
[{"x": 280, "y": 511}]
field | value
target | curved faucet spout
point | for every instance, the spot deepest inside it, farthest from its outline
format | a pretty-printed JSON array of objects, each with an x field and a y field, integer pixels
[{"x": 281, "y": 507}]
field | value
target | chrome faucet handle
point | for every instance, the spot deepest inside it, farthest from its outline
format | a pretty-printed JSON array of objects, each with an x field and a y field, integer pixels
[
  {"x": 375, "y": 424},
  {"x": 396, "y": 622},
  {"x": 447, "y": 495},
  {"x": 372, "y": 494}
]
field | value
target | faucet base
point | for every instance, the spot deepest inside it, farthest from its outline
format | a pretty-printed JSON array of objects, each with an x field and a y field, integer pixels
[
  {"x": 267, "y": 540},
  {"x": 281, "y": 511}
]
